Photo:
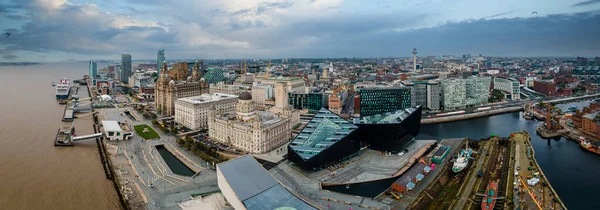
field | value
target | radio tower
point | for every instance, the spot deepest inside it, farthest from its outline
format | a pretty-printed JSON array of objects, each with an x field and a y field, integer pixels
[{"x": 414, "y": 52}]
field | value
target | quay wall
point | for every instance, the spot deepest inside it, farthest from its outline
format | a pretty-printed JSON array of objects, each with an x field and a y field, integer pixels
[{"x": 470, "y": 115}]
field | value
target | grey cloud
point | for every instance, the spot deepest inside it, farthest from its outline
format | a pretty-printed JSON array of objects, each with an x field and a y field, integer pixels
[
  {"x": 501, "y": 14},
  {"x": 585, "y": 3},
  {"x": 10, "y": 57}
]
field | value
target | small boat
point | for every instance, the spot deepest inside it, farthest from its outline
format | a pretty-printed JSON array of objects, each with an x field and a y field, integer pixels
[
  {"x": 53, "y": 84},
  {"x": 62, "y": 102},
  {"x": 491, "y": 193}
]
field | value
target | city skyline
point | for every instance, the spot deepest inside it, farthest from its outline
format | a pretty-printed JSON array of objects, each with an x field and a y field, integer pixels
[{"x": 56, "y": 30}]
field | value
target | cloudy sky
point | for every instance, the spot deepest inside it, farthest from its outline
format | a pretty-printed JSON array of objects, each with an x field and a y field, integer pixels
[{"x": 54, "y": 30}]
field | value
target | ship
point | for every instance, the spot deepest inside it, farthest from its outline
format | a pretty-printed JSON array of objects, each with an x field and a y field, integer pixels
[
  {"x": 585, "y": 144},
  {"x": 53, "y": 84},
  {"x": 491, "y": 193},
  {"x": 462, "y": 160},
  {"x": 63, "y": 89}
]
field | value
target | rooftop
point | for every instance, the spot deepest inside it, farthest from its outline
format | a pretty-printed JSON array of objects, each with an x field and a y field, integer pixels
[
  {"x": 256, "y": 188},
  {"x": 206, "y": 98},
  {"x": 386, "y": 118},
  {"x": 322, "y": 131},
  {"x": 111, "y": 125}
]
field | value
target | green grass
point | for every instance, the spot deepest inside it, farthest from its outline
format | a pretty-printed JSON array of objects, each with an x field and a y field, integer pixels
[{"x": 151, "y": 134}]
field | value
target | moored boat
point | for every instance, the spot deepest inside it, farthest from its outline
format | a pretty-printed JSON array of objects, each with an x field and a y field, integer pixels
[{"x": 491, "y": 193}]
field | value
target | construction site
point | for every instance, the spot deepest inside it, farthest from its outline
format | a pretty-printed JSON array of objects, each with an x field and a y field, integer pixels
[{"x": 501, "y": 174}]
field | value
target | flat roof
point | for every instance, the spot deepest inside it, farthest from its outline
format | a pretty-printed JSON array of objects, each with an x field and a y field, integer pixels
[
  {"x": 206, "y": 98},
  {"x": 111, "y": 125},
  {"x": 256, "y": 188},
  {"x": 386, "y": 118},
  {"x": 323, "y": 130}
]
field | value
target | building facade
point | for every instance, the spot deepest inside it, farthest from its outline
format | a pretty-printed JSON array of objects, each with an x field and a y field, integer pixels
[
  {"x": 377, "y": 100},
  {"x": 193, "y": 112},
  {"x": 214, "y": 75},
  {"x": 454, "y": 94},
  {"x": 125, "y": 68},
  {"x": 433, "y": 95},
  {"x": 544, "y": 87},
  {"x": 160, "y": 59},
  {"x": 221, "y": 87},
  {"x": 93, "y": 69},
  {"x": 478, "y": 90},
  {"x": 167, "y": 91},
  {"x": 312, "y": 101},
  {"x": 591, "y": 125},
  {"x": 260, "y": 94},
  {"x": 250, "y": 130},
  {"x": 509, "y": 86},
  {"x": 179, "y": 71}
]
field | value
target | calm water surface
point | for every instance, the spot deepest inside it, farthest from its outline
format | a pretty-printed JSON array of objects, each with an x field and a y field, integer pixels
[
  {"x": 35, "y": 174},
  {"x": 571, "y": 171}
]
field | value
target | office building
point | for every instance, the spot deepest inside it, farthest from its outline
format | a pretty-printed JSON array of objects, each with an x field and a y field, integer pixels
[
  {"x": 509, "y": 86},
  {"x": 214, "y": 75},
  {"x": 433, "y": 95},
  {"x": 221, "y": 87},
  {"x": 167, "y": 91},
  {"x": 478, "y": 90},
  {"x": 293, "y": 84},
  {"x": 125, "y": 68},
  {"x": 260, "y": 94},
  {"x": 160, "y": 59},
  {"x": 418, "y": 92},
  {"x": 193, "y": 112},
  {"x": 248, "y": 186},
  {"x": 454, "y": 94},
  {"x": 544, "y": 87},
  {"x": 328, "y": 138},
  {"x": 376, "y": 100},
  {"x": 312, "y": 101},
  {"x": 251, "y": 130},
  {"x": 93, "y": 69}
]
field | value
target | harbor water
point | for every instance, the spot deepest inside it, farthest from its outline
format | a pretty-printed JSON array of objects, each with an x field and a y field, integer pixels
[
  {"x": 571, "y": 170},
  {"x": 35, "y": 174}
]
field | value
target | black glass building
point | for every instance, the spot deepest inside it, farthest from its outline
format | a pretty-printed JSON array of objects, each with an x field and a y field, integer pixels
[
  {"x": 328, "y": 138},
  {"x": 312, "y": 101},
  {"x": 376, "y": 100}
]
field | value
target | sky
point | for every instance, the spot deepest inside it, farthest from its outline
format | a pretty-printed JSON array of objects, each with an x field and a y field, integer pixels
[{"x": 56, "y": 30}]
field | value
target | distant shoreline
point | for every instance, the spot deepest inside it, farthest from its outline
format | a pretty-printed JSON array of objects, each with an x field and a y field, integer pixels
[{"x": 18, "y": 63}]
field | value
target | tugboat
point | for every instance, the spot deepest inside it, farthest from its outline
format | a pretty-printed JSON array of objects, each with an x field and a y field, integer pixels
[
  {"x": 462, "y": 160},
  {"x": 491, "y": 193},
  {"x": 585, "y": 144}
]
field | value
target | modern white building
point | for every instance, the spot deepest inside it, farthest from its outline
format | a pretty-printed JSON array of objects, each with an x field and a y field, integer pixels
[
  {"x": 114, "y": 130},
  {"x": 261, "y": 93},
  {"x": 509, "y": 86},
  {"x": 478, "y": 90},
  {"x": 193, "y": 112}
]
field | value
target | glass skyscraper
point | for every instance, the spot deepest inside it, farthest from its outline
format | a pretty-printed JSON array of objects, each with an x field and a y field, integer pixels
[
  {"x": 93, "y": 69},
  {"x": 378, "y": 100},
  {"x": 160, "y": 58},
  {"x": 125, "y": 68}
]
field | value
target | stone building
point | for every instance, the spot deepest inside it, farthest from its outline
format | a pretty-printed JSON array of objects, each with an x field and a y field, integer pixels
[
  {"x": 168, "y": 90},
  {"x": 192, "y": 112},
  {"x": 221, "y": 87},
  {"x": 251, "y": 130}
]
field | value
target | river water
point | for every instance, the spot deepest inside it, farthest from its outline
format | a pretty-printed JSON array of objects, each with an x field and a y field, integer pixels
[
  {"x": 35, "y": 174},
  {"x": 571, "y": 171}
]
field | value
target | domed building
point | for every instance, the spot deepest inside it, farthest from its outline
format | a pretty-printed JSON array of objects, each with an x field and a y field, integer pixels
[
  {"x": 169, "y": 88},
  {"x": 251, "y": 130}
]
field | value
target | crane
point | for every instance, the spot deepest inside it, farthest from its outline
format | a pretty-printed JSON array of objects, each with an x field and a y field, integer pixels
[{"x": 268, "y": 70}]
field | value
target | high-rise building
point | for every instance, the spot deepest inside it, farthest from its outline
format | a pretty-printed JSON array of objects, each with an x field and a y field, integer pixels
[
  {"x": 261, "y": 93},
  {"x": 433, "y": 95},
  {"x": 509, "y": 86},
  {"x": 312, "y": 101},
  {"x": 93, "y": 71},
  {"x": 454, "y": 94},
  {"x": 478, "y": 90},
  {"x": 160, "y": 58},
  {"x": 167, "y": 91},
  {"x": 377, "y": 100},
  {"x": 414, "y": 52},
  {"x": 125, "y": 68}
]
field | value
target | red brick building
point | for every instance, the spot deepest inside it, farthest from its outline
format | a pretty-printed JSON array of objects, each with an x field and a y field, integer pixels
[{"x": 544, "y": 87}]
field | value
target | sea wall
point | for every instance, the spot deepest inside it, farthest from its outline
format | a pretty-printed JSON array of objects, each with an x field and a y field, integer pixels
[{"x": 470, "y": 115}]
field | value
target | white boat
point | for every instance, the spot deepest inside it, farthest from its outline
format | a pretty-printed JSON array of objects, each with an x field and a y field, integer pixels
[
  {"x": 63, "y": 88},
  {"x": 462, "y": 160}
]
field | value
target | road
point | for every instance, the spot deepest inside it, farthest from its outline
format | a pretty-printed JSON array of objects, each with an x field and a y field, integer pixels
[{"x": 468, "y": 189}]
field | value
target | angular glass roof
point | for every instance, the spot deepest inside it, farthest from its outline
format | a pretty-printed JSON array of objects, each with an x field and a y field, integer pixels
[
  {"x": 323, "y": 130},
  {"x": 386, "y": 118}
]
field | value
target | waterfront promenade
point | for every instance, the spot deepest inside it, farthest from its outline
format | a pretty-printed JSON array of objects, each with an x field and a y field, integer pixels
[{"x": 470, "y": 115}]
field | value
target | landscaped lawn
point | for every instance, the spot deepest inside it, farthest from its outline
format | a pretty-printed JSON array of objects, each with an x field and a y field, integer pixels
[{"x": 149, "y": 132}]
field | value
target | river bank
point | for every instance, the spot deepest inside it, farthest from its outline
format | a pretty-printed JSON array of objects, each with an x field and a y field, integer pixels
[{"x": 469, "y": 116}]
